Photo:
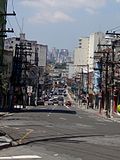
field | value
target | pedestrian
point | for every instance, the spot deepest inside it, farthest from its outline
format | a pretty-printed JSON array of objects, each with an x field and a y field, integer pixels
[
  {"x": 96, "y": 101},
  {"x": 87, "y": 97}
]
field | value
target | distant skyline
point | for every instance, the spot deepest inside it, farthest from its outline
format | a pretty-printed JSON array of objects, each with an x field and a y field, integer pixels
[{"x": 60, "y": 23}]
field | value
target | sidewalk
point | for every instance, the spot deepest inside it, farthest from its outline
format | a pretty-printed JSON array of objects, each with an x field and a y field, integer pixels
[
  {"x": 5, "y": 140},
  {"x": 114, "y": 117}
]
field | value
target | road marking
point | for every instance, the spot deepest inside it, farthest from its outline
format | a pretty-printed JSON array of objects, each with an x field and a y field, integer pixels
[
  {"x": 80, "y": 117},
  {"x": 67, "y": 107},
  {"x": 56, "y": 154},
  {"x": 17, "y": 128},
  {"x": 6, "y": 126},
  {"x": 62, "y": 118},
  {"x": 25, "y": 135},
  {"x": 22, "y": 157}
]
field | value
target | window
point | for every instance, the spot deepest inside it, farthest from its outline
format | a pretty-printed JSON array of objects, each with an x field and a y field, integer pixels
[{"x": 17, "y": 39}]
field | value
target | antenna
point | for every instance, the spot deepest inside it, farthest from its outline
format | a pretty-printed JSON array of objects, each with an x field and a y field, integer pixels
[{"x": 22, "y": 24}]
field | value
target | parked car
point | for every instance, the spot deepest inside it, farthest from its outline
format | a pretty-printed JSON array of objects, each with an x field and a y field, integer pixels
[
  {"x": 40, "y": 101},
  {"x": 55, "y": 100},
  {"x": 61, "y": 100},
  {"x": 50, "y": 102}
]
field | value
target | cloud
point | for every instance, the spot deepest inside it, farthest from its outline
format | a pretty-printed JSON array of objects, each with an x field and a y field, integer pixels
[
  {"x": 58, "y": 10},
  {"x": 65, "y": 3},
  {"x": 54, "y": 17}
]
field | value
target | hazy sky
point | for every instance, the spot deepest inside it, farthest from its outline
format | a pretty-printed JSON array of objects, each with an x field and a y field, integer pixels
[{"x": 60, "y": 23}]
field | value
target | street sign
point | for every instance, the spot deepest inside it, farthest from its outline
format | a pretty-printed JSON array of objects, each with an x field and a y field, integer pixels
[
  {"x": 29, "y": 94},
  {"x": 29, "y": 89}
]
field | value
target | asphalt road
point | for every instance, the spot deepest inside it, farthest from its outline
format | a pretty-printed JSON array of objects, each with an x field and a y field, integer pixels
[{"x": 60, "y": 133}]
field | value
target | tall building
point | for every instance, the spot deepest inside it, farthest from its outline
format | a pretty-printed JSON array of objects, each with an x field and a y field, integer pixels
[
  {"x": 94, "y": 40},
  {"x": 81, "y": 54},
  {"x": 42, "y": 51},
  {"x": 84, "y": 57},
  {"x": 63, "y": 55}
]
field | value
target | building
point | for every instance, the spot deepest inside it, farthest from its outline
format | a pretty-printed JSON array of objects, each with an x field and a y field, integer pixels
[
  {"x": 42, "y": 51},
  {"x": 10, "y": 44},
  {"x": 81, "y": 54},
  {"x": 37, "y": 53},
  {"x": 95, "y": 39},
  {"x": 84, "y": 61}
]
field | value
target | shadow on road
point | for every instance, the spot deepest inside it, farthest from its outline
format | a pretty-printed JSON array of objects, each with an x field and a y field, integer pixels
[
  {"x": 64, "y": 138},
  {"x": 19, "y": 110}
]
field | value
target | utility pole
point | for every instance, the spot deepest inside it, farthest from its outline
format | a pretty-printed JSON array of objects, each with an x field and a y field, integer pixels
[
  {"x": 19, "y": 79},
  {"x": 107, "y": 106},
  {"x": 88, "y": 79},
  {"x": 104, "y": 57},
  {"x": 114, "y": 43},
  {"x": 3, "y": 31}
]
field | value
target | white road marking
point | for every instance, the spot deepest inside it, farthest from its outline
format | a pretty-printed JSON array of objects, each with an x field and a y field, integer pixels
[
  {"x": 22, "y": 157},
  {"x": 6, "y": 126},
  {"x": 63, "y": 118},
  {"x": 56, "y": 154},
  {"x": 80, "y": 117},
  {"x": 17, "y": 128},
  {"x": 67, "y": 107}
]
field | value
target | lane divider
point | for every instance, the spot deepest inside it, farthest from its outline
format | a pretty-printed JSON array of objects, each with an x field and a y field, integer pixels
[{"x": 29, "y": 131}]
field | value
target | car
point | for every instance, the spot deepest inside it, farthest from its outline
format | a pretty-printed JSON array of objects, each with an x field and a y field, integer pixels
[
  {"x": 61, "y": 103},
  {"x": 61, "y": 100},
  {"x": 40, "y": 101},
  {"x": 55, "y": 100},
  {"x": 50, "y": 102}
]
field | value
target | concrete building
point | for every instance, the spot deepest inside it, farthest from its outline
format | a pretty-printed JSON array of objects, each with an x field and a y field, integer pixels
[
  {"x": 7, "y": 62},
  {"x": 71, "y": 71},
  {"x": 81, "y": 54},
  {"x": 10, "y": 44},
  {"x": 94, "y": 40},
  {"x": 84, "y": 56},
  {"x": 42, "y": 51},
  {"x": 38, "y": 52}
]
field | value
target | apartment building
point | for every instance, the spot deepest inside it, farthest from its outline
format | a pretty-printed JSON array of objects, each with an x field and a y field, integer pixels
[
  {"x": 81, "y": 54},
  {"x": 37, "y": 52}
]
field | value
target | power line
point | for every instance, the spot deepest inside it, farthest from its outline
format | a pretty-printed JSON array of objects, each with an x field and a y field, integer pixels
[
  {"x": 18, "y": 24},
  {"x": 13, "y": 5},
  {"x": 11, "y": 26},
  {"x": 16, "y": 17},
  {"x": 114, "y": 29}
]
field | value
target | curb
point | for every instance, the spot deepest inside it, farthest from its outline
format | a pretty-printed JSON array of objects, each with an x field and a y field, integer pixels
[{"x": 5, "y": 146}]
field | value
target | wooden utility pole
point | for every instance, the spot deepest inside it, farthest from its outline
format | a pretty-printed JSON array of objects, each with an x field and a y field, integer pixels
[{"x": 3, "y": 31}]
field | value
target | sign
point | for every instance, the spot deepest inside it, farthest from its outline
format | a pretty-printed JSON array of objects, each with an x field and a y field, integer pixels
[
  {"x": 29, "y": 94},
  {"x": 29, "y": 89}
]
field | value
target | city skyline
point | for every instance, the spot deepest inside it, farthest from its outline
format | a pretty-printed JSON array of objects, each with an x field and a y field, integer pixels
[{"x": 61, "y": 23}]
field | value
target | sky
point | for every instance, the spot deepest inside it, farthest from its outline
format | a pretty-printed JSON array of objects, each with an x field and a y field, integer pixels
[{"x": 60, "y": 23}]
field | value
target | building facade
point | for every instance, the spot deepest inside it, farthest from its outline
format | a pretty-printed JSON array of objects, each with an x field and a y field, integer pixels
[
  {"x": 37, "y": 52},
  {"x": 95, "y": 39},
  {"x": 81, "y": 54}
]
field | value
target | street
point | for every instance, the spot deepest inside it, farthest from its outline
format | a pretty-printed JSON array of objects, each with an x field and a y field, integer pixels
[{"x": 60, "y": 135}]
